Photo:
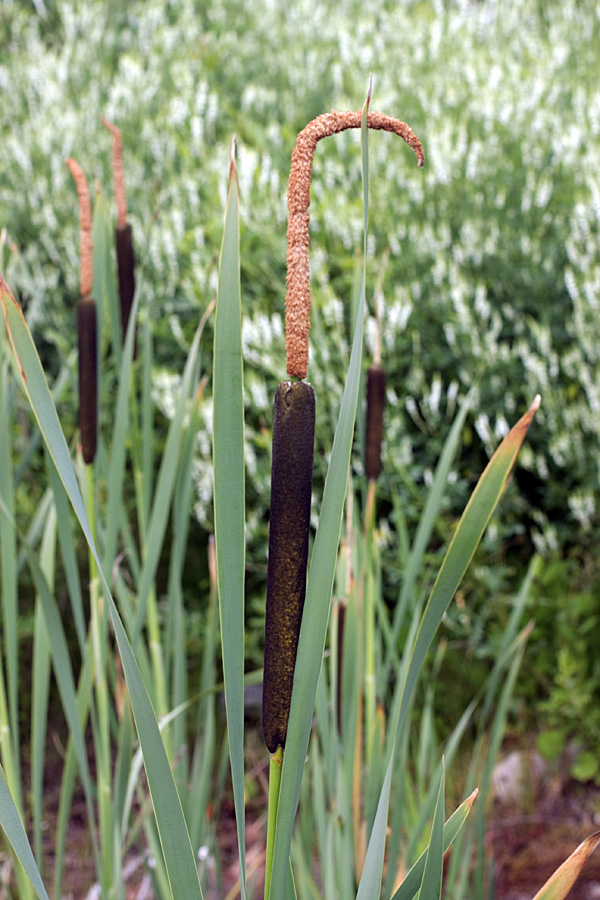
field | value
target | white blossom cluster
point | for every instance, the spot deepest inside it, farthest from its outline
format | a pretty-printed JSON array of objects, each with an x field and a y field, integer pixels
[{"x": 494, "y": 269}]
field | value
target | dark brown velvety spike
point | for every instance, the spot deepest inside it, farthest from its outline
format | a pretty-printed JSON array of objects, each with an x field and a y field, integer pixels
[
  {"x": 88, "y": 376},
  {"x": 374, "y": 429},
  {"x": 126, "y": 272},
  {"x": 291, "y": 486}
]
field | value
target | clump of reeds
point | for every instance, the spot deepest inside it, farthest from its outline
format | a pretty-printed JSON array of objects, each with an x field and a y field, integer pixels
[{"x": 87, "y": 327}]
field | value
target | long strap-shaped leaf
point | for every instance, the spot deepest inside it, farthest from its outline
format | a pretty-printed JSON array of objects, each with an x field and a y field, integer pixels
[
  {"x": 228, "y": 464},
  {"x": 560, "y": 883},
  {"x": 319, "y": 589},
  {"x": 410, "y": 886},
  {"x": 13, "y": 828},
  {"x": 458, "y": 556},
  {"x": 469, "y": 532},
  {"x": 179, "y": 857}
]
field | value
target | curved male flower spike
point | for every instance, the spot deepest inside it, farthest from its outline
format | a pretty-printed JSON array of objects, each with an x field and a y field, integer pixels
[
  {"x": 297, "y": 316},
  {"x": 85, "y": 225}
]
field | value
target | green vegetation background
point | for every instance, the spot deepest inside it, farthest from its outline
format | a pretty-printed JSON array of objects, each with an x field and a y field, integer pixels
[{"x": 493, "y": 275}]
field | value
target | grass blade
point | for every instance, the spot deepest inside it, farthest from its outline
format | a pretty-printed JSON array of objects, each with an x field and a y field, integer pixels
[
  {"x": 228, "y": 462},
  {"x": 175, "y": 842},
  {"x": 431, "y": 886},
  {"x": 469, "y": 532},
  {"x": 410, "y": 886},
  {"x": 14, "y": 831}
]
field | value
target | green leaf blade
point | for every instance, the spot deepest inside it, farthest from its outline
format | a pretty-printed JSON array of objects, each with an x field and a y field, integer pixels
[{"x": 229, "y": 491}]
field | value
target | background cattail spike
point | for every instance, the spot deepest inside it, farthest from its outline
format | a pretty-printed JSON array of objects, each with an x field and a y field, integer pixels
[
  {"x": 374, "y": 426},
  {"x": 123, "y": 234},
  {"x": 85, "y": 223},
  {"x": 118, "y": 173},
  {"x": 87, "y": 342},
  {"x": 297, "y": 320}
]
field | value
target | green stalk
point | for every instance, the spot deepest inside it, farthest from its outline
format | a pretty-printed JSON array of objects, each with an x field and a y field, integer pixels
[
  {"x": 99, "y": 634},
  {"x": 274, "y": 783}
]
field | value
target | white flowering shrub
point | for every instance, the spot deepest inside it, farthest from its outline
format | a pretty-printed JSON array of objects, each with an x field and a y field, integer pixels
[{"x": 494, "y": 250}]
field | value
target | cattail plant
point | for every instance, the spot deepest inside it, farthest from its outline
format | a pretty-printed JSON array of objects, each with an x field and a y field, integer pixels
[
  {"x": 123, "y": 236},
  {"x": 87, "y": 337},
  {"x": 293, "y": 443},
  {"x": 293, "y": 432}
]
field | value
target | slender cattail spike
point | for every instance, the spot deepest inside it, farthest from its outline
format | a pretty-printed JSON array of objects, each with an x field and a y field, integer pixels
[
  {"x": 123, "y": 236},
  {"x": 298, "y": 270},
  {"x": 88, "y": 376},
  {"x": 291, "y": 485},
  {"x": 85, "y": 223},
  {"x": 126, "y": 273},
  {"x": 374, "y": 428}
]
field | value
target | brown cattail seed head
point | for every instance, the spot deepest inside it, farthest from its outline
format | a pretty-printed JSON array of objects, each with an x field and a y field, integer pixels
[
  {"x": 126, "y": 272},
  {"x": 298, "y": 271},
  {"x": 123, "y": 239},
  {"x": 88, "y": 376},
  {"x": 291, "y": 486},
  {"x": 374, "y": 427}
]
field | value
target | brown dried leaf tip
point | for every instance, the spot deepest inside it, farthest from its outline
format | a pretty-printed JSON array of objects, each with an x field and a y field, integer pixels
[
  {"x": 297, "y": 318},
  {"x": 85, "y": 223},
  {"x": 118, "y": 173}
]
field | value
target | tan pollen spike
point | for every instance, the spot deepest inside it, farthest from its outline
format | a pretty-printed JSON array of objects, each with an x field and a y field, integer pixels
[
  {"x": 118, "y": 173},
  {"x": 297, "y": 316},
  {"x": 85, "y": 224}
]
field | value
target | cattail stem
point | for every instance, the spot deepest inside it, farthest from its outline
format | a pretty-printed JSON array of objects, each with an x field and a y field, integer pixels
[
  {"x": 291, "y": 485},
  {"x": 274, "y": 785},
  {"x": 298, "y": 270}
]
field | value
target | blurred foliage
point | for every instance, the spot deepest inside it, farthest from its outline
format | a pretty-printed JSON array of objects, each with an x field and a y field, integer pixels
[{"x": 564, "y": 644}]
